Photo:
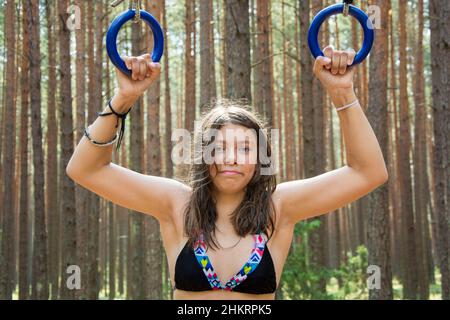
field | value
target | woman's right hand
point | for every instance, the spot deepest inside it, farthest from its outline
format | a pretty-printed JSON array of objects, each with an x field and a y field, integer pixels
[{"x": 144, "y": 73}]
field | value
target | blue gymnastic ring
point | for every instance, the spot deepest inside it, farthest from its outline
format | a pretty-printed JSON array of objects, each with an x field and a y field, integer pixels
[
  {"x": 360, "y": 15},
  {"x": 113, "y": 31}
]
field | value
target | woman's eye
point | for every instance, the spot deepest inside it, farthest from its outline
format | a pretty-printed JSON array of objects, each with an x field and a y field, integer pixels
[{"x": 240, "y": 149}]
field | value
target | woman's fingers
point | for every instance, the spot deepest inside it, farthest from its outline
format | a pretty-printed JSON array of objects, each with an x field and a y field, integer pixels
[
  {"x": 343, "y": 62},
  {"x": 147, "y": 57},
  {"x": 149, "y": 70},
  {"x": 340, "y": 60},
  {"x": 142, "y": 69},
  {"x": 351, "y": 56},
  {"x": 135, "y": 68},
  {"x": 146, "y": 60},
  {"x": 320, "y": 63},
  {"x": 127, "y": 61},
  {"x": 155, "y": 70},
  {"x": 335, "y": 61},
  {"x": 328, "y": 52},
  {"x": 138, "y": 66}
]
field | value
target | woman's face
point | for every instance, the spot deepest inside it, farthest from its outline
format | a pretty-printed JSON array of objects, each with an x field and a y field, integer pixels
[{"x": 235, "y": 158}]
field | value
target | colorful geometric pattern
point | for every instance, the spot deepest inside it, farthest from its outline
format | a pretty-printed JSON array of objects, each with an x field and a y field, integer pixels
[{"x": 249, "y": 266}]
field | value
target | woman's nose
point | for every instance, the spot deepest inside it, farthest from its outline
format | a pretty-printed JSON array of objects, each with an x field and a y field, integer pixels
[{"x": 230, "y": 156}]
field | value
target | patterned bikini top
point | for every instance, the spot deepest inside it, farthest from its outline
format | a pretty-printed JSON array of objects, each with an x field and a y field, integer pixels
[{"x": 189, "y": 277}]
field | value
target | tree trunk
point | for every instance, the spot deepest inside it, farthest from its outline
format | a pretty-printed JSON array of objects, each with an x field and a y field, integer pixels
[
  {"x": 393, "y": 182},
  {"x": 359, "y": 215},
  {"x": 190, "y": 69},
  {"x": 40, "y": 277},
  {"x": 167, "y": 101},
  {"x": 52, "y": 154},
  {"x": 378, "y": 214},
  {"x": 282, "y": 95},
  {"x": 24, "y": 241},
  {"x": 82, "y": 194},
  {"x": 112, "y": 241},
  {"x": 410, "y": 283},
  {"x": 420, "y": 168},
  {"x": 68, "y": 209},
  {"x": 306, "y": 86},
  {"x": 153, "y": 239},
  {"x": 168, "y": 125},
  {"x": 207, "y": 70},
  {"x": 263, "y": 92},
  {"x": 223, "y": 48},
  {"x": 7, "y": 256},
  {"x": 440, "y": 52},
  {"x": 124, "y": 239},
  {"x": 137, "y": 230},
  {"x": 237, "y": 42},
  {"x": 299, "y": 142},
  {"x": 318, "y": 236}
]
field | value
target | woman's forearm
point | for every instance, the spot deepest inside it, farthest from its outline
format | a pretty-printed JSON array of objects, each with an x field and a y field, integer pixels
[
  {"x": 88, "y": 157},
  {"x": 363, "y": 151}
]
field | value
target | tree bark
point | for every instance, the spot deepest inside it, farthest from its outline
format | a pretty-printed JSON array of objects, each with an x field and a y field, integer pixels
[
  {"x": 40, "y": 276},
  {"x": 24, "y": 241},
  {"x": 440, "y": 52},
  {"x": 318, "y": 236},
  {"x": 153, "y": 261},
  {"x": 7, "y": 256},
  {"x": 137, "y": 224},
  {"x": 378, "y": 214},
  {"x": 68, "y": 209},
  {"x": 82, "y": 195},
  {"x": 263, "y": 89},
  {"x": 52, "y": 189},
  {"x": 420, "y": 167},
  {"x": 190, "y": 68},
  {"x": 237, "y": 42},
  {"x": 207, "y": 69},
  {"x": 167, "y": 100},
  {"x": 299, "y": 143},
  {"x": 410, "y": 283}
]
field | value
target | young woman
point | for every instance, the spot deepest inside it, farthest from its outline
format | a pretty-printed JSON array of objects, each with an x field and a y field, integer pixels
[{"x": 228, "y": 234}]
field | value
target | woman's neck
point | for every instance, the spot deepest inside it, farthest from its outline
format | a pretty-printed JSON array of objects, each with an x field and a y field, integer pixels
[{"x": 225, "y": 205}]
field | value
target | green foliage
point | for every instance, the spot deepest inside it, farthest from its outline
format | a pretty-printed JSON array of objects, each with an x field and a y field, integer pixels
[
  {"x": 299, "y": 278},
  {"x": 352, "y": 276}
]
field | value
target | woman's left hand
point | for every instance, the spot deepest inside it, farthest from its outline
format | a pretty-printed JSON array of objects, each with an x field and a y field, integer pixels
[{"x": 334, "y": 71}]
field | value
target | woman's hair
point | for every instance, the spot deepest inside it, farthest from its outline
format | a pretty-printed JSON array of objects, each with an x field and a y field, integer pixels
[{"x": 256, "y": 212}]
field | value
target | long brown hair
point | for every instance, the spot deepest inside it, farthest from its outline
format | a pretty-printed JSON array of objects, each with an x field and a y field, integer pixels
[{"x": 256, "y": 212}]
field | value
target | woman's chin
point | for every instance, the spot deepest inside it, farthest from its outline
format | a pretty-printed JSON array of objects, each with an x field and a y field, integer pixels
[{"x": 230, "y": 188}]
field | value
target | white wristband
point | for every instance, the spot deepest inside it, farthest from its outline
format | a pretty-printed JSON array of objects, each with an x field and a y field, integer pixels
[{"x": 348, "y": 105}]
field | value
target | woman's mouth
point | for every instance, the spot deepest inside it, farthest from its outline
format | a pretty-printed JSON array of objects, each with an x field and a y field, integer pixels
[{"x": 229, "y": 173}]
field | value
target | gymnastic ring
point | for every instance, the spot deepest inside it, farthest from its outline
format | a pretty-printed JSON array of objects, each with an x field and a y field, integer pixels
[
  {"x": 113, "y": 31},
  {"x": 357, "y": 13}
]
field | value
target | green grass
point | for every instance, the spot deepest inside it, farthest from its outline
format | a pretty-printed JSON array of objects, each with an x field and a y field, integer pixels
[{"x": 335, "y": 291}]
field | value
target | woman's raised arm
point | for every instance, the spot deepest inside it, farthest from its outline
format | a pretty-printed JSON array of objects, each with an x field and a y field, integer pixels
[
  {"x": 365, "y": 169},
  {"x": 91, "y": 165}
]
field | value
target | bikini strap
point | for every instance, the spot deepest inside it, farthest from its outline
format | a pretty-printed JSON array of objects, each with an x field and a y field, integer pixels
[{"x": 259, "y": 239}]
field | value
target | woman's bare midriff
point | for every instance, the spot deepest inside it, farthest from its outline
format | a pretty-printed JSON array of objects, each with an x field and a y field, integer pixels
[{"x": 219, "y": 295}]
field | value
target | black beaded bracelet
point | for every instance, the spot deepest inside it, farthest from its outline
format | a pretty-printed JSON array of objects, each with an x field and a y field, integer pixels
[{"x": 122, "y": 116}]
